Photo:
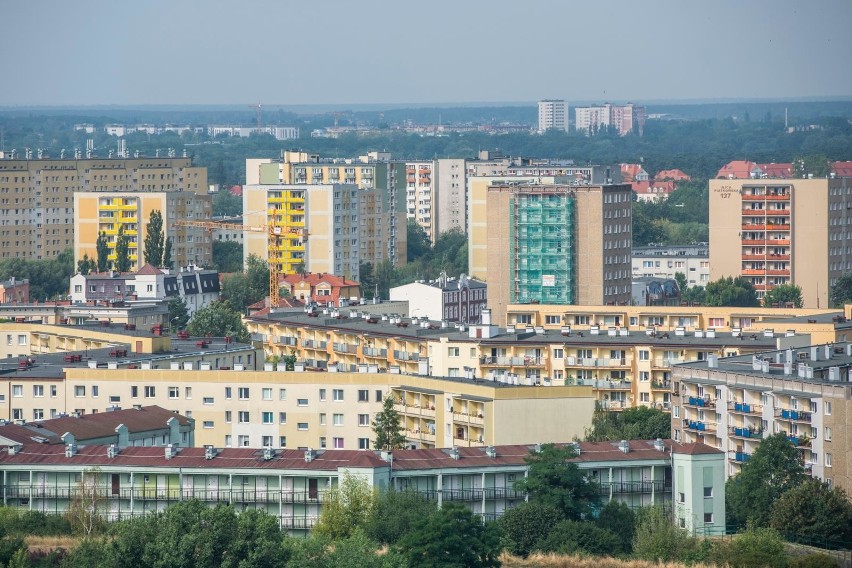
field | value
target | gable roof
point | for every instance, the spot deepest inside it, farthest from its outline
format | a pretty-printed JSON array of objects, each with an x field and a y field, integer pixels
[
  {"x": 653, "y": 187},
  {"x": 698, "y": 448},
  {"x": 842, "y": 169},
  {"x": 675, "y": 174},
  {"x": 314, "y": 279},
  {"x": 780, "y": 170},
  {"x": 149, "y": 269},
  {"x": 103, "y": 424},
  {"x": 737, "y": 169}
]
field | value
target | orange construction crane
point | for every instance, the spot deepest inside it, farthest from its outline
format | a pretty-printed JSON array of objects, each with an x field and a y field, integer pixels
[{"x": 274, "y": 233}]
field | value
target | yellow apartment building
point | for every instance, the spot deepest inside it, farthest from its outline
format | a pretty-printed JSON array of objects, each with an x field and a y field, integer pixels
[
  {"x": 108, "y": 212},
  {"x": 782, "y": 231},
  {"x": 37, "y": 196}
]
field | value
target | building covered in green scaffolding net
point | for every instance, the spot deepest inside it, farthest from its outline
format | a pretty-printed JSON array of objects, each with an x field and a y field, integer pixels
[{"x": 558, "y": 244}]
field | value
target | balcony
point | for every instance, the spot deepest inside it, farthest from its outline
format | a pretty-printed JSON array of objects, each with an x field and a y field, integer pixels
[
  {"x": 740, "y": 457},
  {"x": 794, "y": 415},
  {"x": 623, "y": 487},
  {"x": 754, "y": 212},
  {"x": 748, "y": 433},
  {"x": 699, "y": 402},
  {"x": 699, "y": 426},
  {"x": 743, "y": 408},
  {"x": 800, "y": 441},
  {"x": 611, "y": 385},
  {"x": 374, "y": 353},
  {"x": 770, "y": 197},
  {"x": 661, "y": 385},
  {"x": 466, "y": 418}
]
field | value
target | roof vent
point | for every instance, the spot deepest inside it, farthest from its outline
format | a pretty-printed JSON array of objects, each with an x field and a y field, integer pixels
[
  {"x": 454, "y": 453},
  {"x": 309, "y": 455},
  {"x": 210, "y": 452},
  {"x": 172, "y": 450},
  {"x": 576, "y": 447},
  {"x": 491, "y": 452},
  {"x": 14, "y": 449},
  {"x": 112, "y": 450},
  {"x": 268, "y": 453},
  {"x": 70, "y": 450},
  {"x": 659, "y": 445},
  {"x": 624, "y": 446}
]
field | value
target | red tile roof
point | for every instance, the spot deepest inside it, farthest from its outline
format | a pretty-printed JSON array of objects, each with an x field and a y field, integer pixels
[
  {"x": 653, "y": 187},
  {"x": 842, "y": 169},
  {"x": 694, "y": 449},
  {"x": 236, "y": 190},
  {"x": 737, "y": 169},
  {"x": 629, "y": 172},
  {"x": 149, "y": 269},
  {"x": 781, "y": 170},
  {"x": 26, "y": 434},
  {"x": 103, "y": 424},
  {"x": 674, "y": 174},
  {"x": 313, "y": 279}
]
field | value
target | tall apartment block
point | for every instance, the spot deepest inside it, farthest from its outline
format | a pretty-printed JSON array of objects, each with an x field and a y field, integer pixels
[
  {"x": 558, "y": 244},
  {"x": 109, "y": 212},
  {"x": 318, "y": 226},
  {"x": 552, "y": 115},
  {"x": 37, "y": 203},
  {"x": 435, "y": 195},
  {"x": 382, "y": 233},
  {"x": 623, "y": 118},
  {"x": 782, "y": 231}
]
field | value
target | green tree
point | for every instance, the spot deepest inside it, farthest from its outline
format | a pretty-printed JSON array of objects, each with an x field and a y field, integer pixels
[
  {"x": 525, "y": 526},
  {"x": 812, "y": 165},
  {"x": 226, "y": 204},
  {"x": 553, "y": 480},
  {"x": 122, "y": 251},
  {"x": 816, "y": 560},
  {"x": 418, "y": 244},
  {"x": 784, "y": 294},
  {"x": 841, "y": 292},
  {"x": 621, "y": 520},
  {"x": 814, "y": 511},
  {"x": 154, "y": 239},
  {"x": 218, "y": 319},
  {"x": 85, "y": 265},
  {"x": 694, "y": 295},
  {"x": 640, "y": 423},
  {"x": 394, "y": 513},
  {"x": 451, "y": 537},
  {"x": 657, "y": 539},
  {"x": 227, "y": 256},
  {"x": 88, "y": 503},
  {"x": 774, "y": 468},
  {"x": 244, "y": 289},
  {"x": 102, "y": 249},
  {"x": 387, "y": 428},
  {"x": 257, "y": 271},
  {"x": 345, "y": 508},
  {"x": 580, "y": 537},
  {"x": 167, "y": 254},
  {"x": 178, "y": 313},
  {"x": 367, "y": 279},
  {"x": 728, "y": 291},
  {"x": 755, "y": 547},
  {"x": 682, "y": 283}
]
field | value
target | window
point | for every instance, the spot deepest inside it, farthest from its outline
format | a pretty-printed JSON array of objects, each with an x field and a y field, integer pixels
[
  {"x": 268, "y": 418},
  {"x": 134, "y": 392},
  {"x": 208, "y": 423},
  {"x": 79, "y": 391},
  {"x": 53, "y": 394},
  {"x": 322, "y": 396},
  {"x": 363, "y": 443},
  {"x": 322, "y": 443},
  {"x": 363, "y": 420},
  {"x": 18, "y": 391},
  {"x": 282, "y": 394},
  {"x": 378, "y": 396},
  {"x": 228, "y": 393},
  {"x": 363, "y": 395},
  {"x": 150, "y": 392},
  {"x": 95, "y": 391},
  {"x": 322, "y": 418},
  {"x": 337, "y": 419},
  {"x": 17, "y": 414},
  {"x": 453, "y": 372},
  {"x": 338, "y": 443},
  {"x": 552, "y": 319},
  {"x": 643, "y": 397},
  {"x": 208, "y": 400},
  {"x": 708, "y": 492},
  {"x": 338, "y": 395},
  {"x": 243, "y": 441},
  {"x": 302, "y": 402},
  {"x": 282, "y": 418},
  {"x": 187, "y": 392},
  {"x": 267, "y": 443},
  {"x": 282, "y": 441},
  {"x": 828, "y": 433},
  {"x": 38, "y": 414},
  {"x": 173, "y": 392},
  {"x": 228, "y": 440},
  {"x": 266, "y": 394},
  {"x": 681, "y": 498},
  {"x": 708, "y": 517},
  {"x": 644, "y": 354},
  {"x": 22, "y": 340},
  {"x": 827, "y": 406},
  {"x": 452, "y": 351},
  {"x": 38, "y": 390},
  {"x": 827, "y": 460},
  {"x": 243, "y": 393},
  {"x": 243, "y": 416},
  {"x": 302, "y": 426},
  {"x": 228, "y": 416},
  {"x": 559, "y": 353}
]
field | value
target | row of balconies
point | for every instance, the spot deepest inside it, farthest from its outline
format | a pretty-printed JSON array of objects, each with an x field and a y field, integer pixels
[
  {"x": 36, "y": 491},
  {"x": 526, "y": 360}
]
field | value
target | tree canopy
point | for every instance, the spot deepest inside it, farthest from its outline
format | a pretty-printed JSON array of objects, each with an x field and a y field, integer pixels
[
  {"x": 774, "y": 468},
  {"x": 218, "y": 319},
  {"x": 387, "y": 428},
  {"x": 554, "y": 481},
  {"x": 154, "y": 239},
  {"x": 245, "y": 288},
  {"x": 784, "y": 294},
  {"x": 122, "y": 251},
  {"x": 814, "y": 511},
  {"x": 729, "y": 291},
  {"x": 48, "y": 278},
  {"x": 227, "y": 256},
  {"x": 640, "y": 423},
  {"x": 102, "y": 249},
  {"x": 841, "y": 292}
]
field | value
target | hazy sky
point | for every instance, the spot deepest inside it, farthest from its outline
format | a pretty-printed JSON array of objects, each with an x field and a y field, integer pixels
[{"x": 88, "y": 52}]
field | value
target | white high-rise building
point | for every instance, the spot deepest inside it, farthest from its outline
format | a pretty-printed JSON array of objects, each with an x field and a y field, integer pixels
[{"x": 552, "y": 115}]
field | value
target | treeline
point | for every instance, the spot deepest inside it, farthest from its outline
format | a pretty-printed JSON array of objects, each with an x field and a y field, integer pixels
[{"x": 48, "y": 278}]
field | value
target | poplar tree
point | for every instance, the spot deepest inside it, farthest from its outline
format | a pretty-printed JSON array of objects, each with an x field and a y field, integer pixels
[
  {"x": 103, "y": 252},
  {"x": 154, "y": 239},
  {"x": 122, "y": 251}
]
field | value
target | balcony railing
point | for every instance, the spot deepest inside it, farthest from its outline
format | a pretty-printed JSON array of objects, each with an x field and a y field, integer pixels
[
  {"x": 744, "y": 408},
  {"x": 699, "y": 426},
  {"x": 700, "y": 402},
  {"x": 794, "y": 415},
  {"x": 745, "y": 432},
  {"x": 163, "y": 494},
  {"x": 741, "y": 457},
  {"x": 659, "y": 486}
]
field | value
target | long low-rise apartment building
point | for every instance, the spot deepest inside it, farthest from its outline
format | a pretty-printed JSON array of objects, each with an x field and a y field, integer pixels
[
  {"x": 733, "y": 403},
  {"x": 293, "y": 485},
  {"x": 625, "y": 366}
]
